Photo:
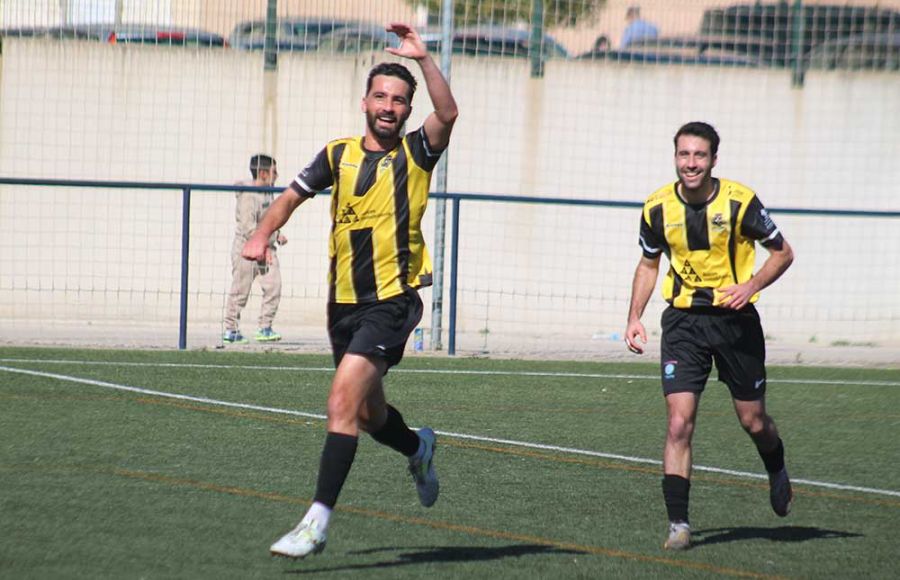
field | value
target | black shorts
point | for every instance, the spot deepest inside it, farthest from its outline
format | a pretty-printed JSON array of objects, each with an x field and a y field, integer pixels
[
  {"x": 693, "y": 339},
  {"x": 378, "y": 329}
]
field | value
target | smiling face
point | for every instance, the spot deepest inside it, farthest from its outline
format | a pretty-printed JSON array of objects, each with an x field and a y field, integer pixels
[
  {"x": 387, "y": 107},
  {"x": 694, "y": 162}
]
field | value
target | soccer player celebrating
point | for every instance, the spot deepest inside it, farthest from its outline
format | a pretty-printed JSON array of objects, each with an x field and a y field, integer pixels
[
  {"x": 380, "y": 184},
  {"x": 708, "y": 227}
]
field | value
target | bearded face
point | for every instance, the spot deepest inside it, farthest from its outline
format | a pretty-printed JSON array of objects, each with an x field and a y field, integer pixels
[{"x": 386, "y": 107}]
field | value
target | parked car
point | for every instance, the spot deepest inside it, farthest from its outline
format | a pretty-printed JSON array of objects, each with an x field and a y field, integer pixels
[
  {"x": 132, "y": 33},
  {"x": 502, "y": 41},
  {"x": 858, "y": 52},
  {"x": 484, "y": 41},
  {"x": 24, "y": 32},
  {"x": 359, "y": 38},
  {"x": 291, "y": 34},
  {"x": 174, "y": 36},
  {"x": 701, "y": 50},
  {"x": 58, "y": 32},
  {"x": 775, "y": 23}
]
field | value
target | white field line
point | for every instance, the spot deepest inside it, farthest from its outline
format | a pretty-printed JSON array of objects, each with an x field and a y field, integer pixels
[
  {"x": 434, "y": 372},
  {"x": 510, "y": 442}
]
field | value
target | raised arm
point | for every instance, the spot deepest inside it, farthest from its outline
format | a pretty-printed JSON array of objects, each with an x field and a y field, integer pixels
[{"x": 439, "y": 123}]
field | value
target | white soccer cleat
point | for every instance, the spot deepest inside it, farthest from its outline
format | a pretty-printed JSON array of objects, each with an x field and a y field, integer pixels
[
  {"x": 303, "y": 540},
  {"x": 679, "y": 536},
  {"x": 781, "y": 495},
  {"x": 423, "y": 471}
]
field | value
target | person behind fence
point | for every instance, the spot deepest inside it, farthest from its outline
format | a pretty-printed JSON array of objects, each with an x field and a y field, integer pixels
[
  {"x": 380, "y": 184},
  {"x": 708, "y": 228},
  {"x": 249, "y": 209},
  {"x": 601, "y": 44},
  {"x": 637, "y": 28}
]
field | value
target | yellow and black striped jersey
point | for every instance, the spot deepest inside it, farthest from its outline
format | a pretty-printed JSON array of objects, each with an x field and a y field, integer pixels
[
  {"x": 709, "y": 245},
  {"x": 376, "y": 248}
]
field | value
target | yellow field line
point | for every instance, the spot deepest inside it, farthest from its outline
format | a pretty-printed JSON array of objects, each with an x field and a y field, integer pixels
[
  {"x": 409, "y": 520},
  {"x": 652, "y": 470}
]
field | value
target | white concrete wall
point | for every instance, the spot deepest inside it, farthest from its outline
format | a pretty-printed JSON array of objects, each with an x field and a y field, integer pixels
[{"x": 538, "y": 278}]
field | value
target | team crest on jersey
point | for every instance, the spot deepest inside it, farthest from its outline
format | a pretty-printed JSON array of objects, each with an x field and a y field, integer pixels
[
  {"x": 718, "y": 221},
  {"x": 386, "y": 162}
]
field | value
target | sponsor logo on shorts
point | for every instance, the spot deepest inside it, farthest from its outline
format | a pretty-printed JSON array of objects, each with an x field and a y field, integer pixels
[
  {"x": 759, "y": 383},
  {"x": 669, "y": 369}
]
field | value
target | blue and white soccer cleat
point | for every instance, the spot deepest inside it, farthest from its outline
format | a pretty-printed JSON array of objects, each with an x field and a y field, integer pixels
[{"x": 422, "y": 469}]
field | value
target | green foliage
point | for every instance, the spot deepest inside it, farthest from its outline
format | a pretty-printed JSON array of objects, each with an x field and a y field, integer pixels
[{"x": 510, "y": 12}]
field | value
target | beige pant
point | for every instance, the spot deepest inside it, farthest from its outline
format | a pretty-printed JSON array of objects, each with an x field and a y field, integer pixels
[{"x": 243, "y": 273}]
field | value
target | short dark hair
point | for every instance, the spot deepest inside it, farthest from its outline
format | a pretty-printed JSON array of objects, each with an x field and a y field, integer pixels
[
  {"x": 260, "y": 161},
  {"x": 702, "y": 130},
  {"x": 393, "y": 69}
]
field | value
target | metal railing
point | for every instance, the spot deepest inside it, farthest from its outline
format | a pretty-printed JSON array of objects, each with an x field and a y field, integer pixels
[{"x": 455, "y": 199}]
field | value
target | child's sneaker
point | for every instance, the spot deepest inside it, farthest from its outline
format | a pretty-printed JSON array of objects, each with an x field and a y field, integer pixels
[
  {"x": 233, "y": 337},
  {"x": 267, "y": 335}
]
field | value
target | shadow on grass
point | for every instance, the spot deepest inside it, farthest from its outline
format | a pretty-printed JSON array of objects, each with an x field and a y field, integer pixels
[
  {"x": 779, "y": 534},
  {"x": 437, "y": 554}
]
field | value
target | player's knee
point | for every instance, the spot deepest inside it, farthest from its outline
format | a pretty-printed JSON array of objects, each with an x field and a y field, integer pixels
[
  {"x": 681, "y": 428},
  {"x": 755, "y": 425},
  {"x": 342, "y": 406}
]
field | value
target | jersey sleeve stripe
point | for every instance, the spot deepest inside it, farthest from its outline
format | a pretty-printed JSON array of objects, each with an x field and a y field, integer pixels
[
  {"x": 300, "y": 186},
  {"x": 647, "y": 248}
]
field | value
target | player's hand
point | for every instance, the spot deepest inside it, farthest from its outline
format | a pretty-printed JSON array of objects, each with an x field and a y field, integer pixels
[
  {"x": 256, "y": 249},
  {"x": 634, "y": 331},
  {"x": 736, "y": 296},
  {"x": 411, "y": 45}
]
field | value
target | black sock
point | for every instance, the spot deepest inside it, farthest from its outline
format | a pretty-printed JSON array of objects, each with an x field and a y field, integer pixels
[
  {"x": 773, "y": 460},
  {"x": 396, "y": 435},
  {"x": 337, "y": 457},
  {"x": 676, "y": 491}
]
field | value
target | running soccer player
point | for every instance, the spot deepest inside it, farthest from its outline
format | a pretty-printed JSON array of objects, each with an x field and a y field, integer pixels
[
  {"x": 708, "y": 228},
  {"x": 380, "y": 184}
]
